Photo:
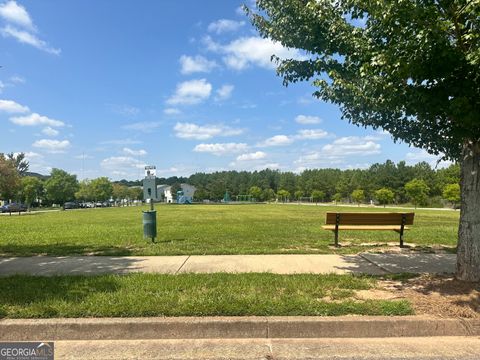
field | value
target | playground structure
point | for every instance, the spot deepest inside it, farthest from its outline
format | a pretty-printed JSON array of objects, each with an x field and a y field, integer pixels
[
  {"x": 182, "y": 198},
  {"x": 245, "y": 198},
  {"x": 185, "y": 195},
  {"x": 226, "y": 197}
]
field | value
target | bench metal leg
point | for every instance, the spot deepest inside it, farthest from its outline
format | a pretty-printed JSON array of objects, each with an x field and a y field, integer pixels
[
  {"x": 337, "y": 222},
  {"x": 401, "y": 230}
]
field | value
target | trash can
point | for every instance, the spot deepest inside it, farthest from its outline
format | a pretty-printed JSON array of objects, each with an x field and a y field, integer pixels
[{"x": 150, "y": 224}]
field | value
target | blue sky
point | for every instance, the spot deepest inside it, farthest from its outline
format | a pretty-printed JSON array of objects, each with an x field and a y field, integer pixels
[{"x": 102, "y": 88}]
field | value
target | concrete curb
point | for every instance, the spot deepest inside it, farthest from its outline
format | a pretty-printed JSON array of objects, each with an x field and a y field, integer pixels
[{"x": 234, "y": 327}]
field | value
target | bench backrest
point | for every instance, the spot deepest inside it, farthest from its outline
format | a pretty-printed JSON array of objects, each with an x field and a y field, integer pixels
[{"x": 357, "y": 218}]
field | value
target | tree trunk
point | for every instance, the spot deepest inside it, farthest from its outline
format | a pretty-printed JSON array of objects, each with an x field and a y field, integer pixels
[{"x": 468, "y": 251}]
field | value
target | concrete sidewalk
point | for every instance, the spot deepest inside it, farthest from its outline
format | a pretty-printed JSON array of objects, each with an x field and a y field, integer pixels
[
  {"x": 366, "y": 263},
  {"x": 431, "y": 348}
]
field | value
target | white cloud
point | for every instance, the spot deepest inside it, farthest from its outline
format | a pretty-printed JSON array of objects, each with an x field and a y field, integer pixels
[
  {"x": 277, "y": 140},
  {"x": 49, "y": 131},
  {"x": 20, "y": 27},
  {"x": 132, "y": 152},
  {"x": 2, "y": 86},
  {"x": 422, "y": 155},
  {"x": 316, "y": 159},
  {"x": 36, "y": 119},
  {"x": 225, "y": 25},
  {"x": 306, "y": 99},
  {"x": 351, "y": 145},
  {"x": 224, "y": 92},
  {"x": 12, "y": 107},
  {"x": 211, "y": 45},
  {"x": 221, "y": 149},
  {"x": 171, "y": 111},
  {"x": 191, "y": 92},
  {"x": 30, "y": 155},
  {"x": 308, "y": 120},
  {"x": 336, "y": 153},
  {"x": 144, "y": 126},
  {"x": 239, "y": 11},
  {"x": 271, "y": 166},
  {"x": 37, "y": 162},
  {"x": 190, "y": 65},
  {"x": 53, "y": 146},
  {"x": 122, "y": 164},
  {"x": 252, "y": 156},
  {"x": 254, "y": 166},
  {"x": 311, "y": 134},
  {"x": 199, "y": 132},
  {"x": 121, "y": 142},
  {"x": 14, "y": 13},
  {"x": 26, "y": 37},
  {"x": 17, "y": 79},
  {"x": 124, "y": 109},
  {"x": 362, "y": 166},
  {"x": 247, "y": 51},
  {"x": 83, "y": 156}
]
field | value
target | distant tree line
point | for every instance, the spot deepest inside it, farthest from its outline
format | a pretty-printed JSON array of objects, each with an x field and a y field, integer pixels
[{"x": 386, "y": 183}]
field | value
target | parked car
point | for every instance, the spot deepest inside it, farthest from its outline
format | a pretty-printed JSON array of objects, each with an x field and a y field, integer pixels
[
  {"x": 13, "y": 207},
  {"x": 70, "y": 205}
]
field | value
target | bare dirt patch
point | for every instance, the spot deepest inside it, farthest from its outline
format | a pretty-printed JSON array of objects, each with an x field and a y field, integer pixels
[
  {"x": 437, "y": 295},
  {"x": 377, "y": 294},
  {"x": 394, "y": 248}
]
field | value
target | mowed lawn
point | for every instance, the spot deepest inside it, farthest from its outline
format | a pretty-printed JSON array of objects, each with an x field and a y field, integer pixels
[
  {"x": 218, "y": 294},
  {"x": 207, "y": 229}
]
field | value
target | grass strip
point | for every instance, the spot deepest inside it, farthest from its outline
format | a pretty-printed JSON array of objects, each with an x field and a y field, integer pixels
[
  {"x": 219, "y": 294},
  {"x": 208, "y": 230}
]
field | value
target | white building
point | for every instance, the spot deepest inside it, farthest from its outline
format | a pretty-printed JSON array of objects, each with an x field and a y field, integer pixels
[{"x": 165, "y": 193}]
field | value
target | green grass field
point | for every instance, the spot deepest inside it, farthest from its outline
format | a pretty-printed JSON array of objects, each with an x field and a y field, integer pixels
[
  {"x": 191, "y": 295},
  {"x": 206, "y": 229}
]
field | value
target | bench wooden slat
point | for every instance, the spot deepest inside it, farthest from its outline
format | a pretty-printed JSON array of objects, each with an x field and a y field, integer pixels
[
  {"x": 369, "y": 218},
  {"x": 365, "y": 227}
]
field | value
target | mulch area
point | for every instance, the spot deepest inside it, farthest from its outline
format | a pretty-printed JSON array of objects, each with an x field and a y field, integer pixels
[{"x": 437, "y": 295}]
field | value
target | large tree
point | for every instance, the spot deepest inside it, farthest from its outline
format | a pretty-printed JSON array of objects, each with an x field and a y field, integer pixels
[
  {"x": 358, "y": 196},
  {"x": 9, "y": 179},
  {"x": 85, "y": 191},
  {"x": 102, "y": 188},
  {"x": 451, "y": 192},
  {"x": 31, "y": 189},
  {"x": 411, "y": 67},
  {"x": 384, "y": 196},
  {"x": 61, "y": 186},
  {"x": 18, "y": 160},
  {"x": 417, "y": 191}
]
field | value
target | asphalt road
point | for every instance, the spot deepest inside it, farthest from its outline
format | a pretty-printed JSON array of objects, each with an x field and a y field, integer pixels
[{"x": 441, "y": 348}]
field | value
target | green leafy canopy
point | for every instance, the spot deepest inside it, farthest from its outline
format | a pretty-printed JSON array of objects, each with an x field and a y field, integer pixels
[{"x": 410, "y": 67}]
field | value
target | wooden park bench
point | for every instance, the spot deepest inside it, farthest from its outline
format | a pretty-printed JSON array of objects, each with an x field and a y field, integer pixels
[{"x": 368, "y": 221}]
